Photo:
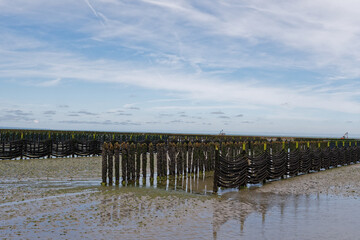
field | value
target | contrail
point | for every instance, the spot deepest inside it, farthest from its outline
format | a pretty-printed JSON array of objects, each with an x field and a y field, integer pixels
[
  {"x": 97, "y": 14},
  {"x": 91, "y": 7}
]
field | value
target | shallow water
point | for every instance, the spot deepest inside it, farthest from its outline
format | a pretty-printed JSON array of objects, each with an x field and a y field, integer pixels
[
  {"x": 293, "y": 217},
  {"x": 63, "y": 199},
  {"x": 84, "y": 209}
]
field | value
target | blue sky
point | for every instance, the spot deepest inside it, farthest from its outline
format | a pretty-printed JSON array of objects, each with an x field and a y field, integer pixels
[{"x": 248, "y": 67}]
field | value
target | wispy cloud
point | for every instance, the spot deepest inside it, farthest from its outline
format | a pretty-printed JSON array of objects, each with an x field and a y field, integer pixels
[
  {"x": 195, "y": 87},
  {"x": 166, "y": 115},
  {"x": 106, "y": 122},
  {"x": 98, "y": 15},
  {"x": 50, "y": 83},
  {"x": 131, "y": 107},
  {"x": 63, "y": 106},
  {"x": 18, "y": 112},
  {"x": 83, "y": 112},
  {"x": 217, "y": 112},
  {"x": 50, "y": 112},
  {"x": 14, "y": 115}
]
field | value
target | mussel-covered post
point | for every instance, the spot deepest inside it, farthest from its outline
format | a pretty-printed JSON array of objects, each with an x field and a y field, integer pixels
[
  {"x": 172, "y": 158},
  {"x": 131, "y": 160},
  {"x": 104, "y": 163},
  {"x": 144, "y": 149},
  {"x": 159, "y": 161},
  {"x": 117, "y": 163},
  {"x": 110, "y": 163},
  {"x": 151, "y": 151},
  {"x": 190, "y": 158},
  {"x": 137, "y": 159},
  {"x": 124, "y": 161},
  {"x": 215, "y": 187},
  {"x": 180, "y": 158}
]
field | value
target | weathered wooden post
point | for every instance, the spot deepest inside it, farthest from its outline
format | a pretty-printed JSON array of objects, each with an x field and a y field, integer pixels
[
  {"x": 104, "y": 164},
  {"x": 152, "y": 162},
  {"x": 216, "y": 168},
  {"x": 137, "y": 160},
  {"x": 144, "y": 149},
  {"x": 190, "y": 158},
  {"x": 266, "y": 152},
  {"x": 124, "y": 160},
  {"x": 159, "y": 157},
  {"x": 117, "y": 163},
  {"x": 131, "y": 159},
  {"x": 180, "y": 159},
  {"x": 110, "y": 163},
  {"x": 196, "y": 157},
  {"x": 72, "y": 144},
  {"x": 172, "y": 158},
  {"x": 202, "y": 158},
  {"x": 163, "y": 160}
]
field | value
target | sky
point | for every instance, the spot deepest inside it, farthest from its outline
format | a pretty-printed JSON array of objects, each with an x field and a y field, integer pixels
[{"x": 254, "y": 67}]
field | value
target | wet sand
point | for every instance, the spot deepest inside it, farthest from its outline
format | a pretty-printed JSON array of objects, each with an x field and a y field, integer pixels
[
  {"x": 63, "y": 199},
  {"x": 341, "y": 181}
]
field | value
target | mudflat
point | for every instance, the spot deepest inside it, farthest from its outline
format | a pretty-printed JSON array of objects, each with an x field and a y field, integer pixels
[{"x": 61, "y": 198}]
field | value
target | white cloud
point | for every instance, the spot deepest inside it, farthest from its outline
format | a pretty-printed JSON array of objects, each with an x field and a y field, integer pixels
[{"x": 202, "y": 87}]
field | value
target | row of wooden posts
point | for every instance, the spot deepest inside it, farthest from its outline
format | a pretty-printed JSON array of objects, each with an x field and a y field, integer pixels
[
  {"x": 173, "y": 159},
  {"x": 129, "y": 161}
]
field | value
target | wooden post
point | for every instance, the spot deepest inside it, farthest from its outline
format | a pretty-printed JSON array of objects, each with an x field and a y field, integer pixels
[
  {"x": 190, "y": 157},
  {"x": 49, "y": 147},
  {"x": 215, "y": 187},
  {"x": 144, "y": 149},
  {"x": 152, "y": 162},
  {"x": 159, "y": 159},
  {"x": 104, "y": 164},
  {"x": 22, "y": 150},
  {"x": 164, "y": 156},
  {"x": 130, "y": 166},
  {"x": 110, "y": 163},
  {"x": 137, "y": 160},
  {"x": 124, "y": 157},
  {"x": 172, "y": 159},
  {"x": 117, "y": 163}
]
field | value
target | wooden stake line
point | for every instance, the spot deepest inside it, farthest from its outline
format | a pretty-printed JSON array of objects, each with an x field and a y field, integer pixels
[{"x": 197, "y": 157}]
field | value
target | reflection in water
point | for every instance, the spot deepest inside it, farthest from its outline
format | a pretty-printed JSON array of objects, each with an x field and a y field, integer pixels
[
  {"x": 248, "y": 214},
  {"x": 199, "y": 184},
  {"x": 170, "y": 182},
  {"x": 192, "y": 183},
  {"x": 272, "y": 216}
]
